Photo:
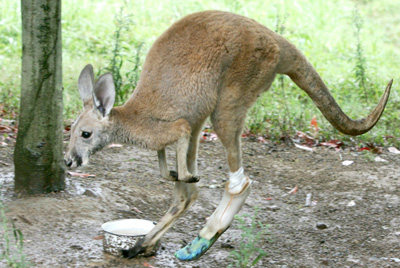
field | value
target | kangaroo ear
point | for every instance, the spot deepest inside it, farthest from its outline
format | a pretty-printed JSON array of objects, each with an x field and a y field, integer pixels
[
  {"x": 104, "y": 94},
  {"x": 85, "y": 85}
]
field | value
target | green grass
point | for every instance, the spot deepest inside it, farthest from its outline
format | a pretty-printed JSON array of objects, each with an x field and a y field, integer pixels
[
  {"x": 248, "y": 253},
  {"x": 323, "y": 30},
  {"x": 11, "y": 243}
]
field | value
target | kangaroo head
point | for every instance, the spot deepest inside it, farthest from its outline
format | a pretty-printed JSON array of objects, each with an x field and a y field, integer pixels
[{"x": 89, "y": 131}]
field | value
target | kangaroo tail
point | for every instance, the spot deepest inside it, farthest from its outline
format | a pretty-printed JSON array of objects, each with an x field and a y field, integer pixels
[{"x": 300, "y": 70}]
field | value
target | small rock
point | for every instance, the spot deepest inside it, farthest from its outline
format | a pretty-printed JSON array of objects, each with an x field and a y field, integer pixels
[
  {"x": 273, "y": 208},
  {"x": 226, "y": 245},
  {"x": 347, "y": 162},
  {"x": 352, "y": 203},
  {"x": 321, "y": 226},
  {"x": 396, "y": 260},
  {"x": 77, "y": 247},
  {"x": 90, "y": 193},
  {"x": 325, "y": 262}
]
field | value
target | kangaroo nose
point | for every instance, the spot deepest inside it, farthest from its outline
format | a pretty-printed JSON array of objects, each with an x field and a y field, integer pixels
[{"x": 68, "y": 162}]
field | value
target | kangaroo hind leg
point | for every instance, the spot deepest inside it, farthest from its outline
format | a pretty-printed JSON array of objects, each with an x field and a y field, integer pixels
[{"x": 236, "y": 190}]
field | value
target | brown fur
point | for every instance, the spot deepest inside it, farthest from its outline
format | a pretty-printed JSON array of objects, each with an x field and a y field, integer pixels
[{"x": 208, "y": 64}]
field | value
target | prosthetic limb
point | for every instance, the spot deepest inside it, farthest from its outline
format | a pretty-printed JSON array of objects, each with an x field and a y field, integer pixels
[{"x": 235, "y": 194}]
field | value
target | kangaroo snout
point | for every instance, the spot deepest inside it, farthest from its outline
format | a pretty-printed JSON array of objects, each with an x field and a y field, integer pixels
[{"x": 73, "y": 160}]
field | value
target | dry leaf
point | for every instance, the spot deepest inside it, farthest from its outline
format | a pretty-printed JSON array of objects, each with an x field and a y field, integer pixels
[
  {"x": 332, "y": 143},
  {"x": 394, "y": 150},
  {"x": 136, "y": 209},
  {"x": 306, "y": 148},
  {"x": 77, "y": 174},
  {"x": 314, "y": 123},
  {"x": 100, "y": 237},
  {"x": 380, "y": 159},
  {"x": 294, "y": 190}
]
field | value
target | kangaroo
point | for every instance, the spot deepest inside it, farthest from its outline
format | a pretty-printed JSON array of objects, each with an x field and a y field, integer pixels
[{"x": 210, "y": 64}]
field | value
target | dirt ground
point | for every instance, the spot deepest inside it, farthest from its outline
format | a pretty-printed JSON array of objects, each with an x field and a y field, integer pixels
[{"x": 353, "y": 219}]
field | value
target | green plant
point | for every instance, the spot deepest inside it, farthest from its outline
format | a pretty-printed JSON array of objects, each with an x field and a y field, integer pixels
[
  {"x": 132, "y": 75},
  {"x": 11, "y": 250},
  {"x": 9, "y": 100},
  {"x": 123, "y": 88},
  {"x": 359, "y": 58},
  {"x": 249, "y": 252},
  {"x": 368, "y": 156},
  {"x": 286, "y": 124}
]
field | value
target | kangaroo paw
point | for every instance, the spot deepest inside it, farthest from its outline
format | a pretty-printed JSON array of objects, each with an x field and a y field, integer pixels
[
  {"x": 136, "y": 250},
  {"x": 173, "y": 175},
  {"x": 190, "y": 179}
]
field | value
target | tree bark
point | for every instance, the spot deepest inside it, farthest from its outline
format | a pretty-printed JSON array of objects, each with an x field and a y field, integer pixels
[{"x": 38, "y": 155}]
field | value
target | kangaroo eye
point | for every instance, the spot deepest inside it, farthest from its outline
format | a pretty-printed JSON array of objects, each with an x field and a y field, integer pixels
[{"x": 86, "y": 135}]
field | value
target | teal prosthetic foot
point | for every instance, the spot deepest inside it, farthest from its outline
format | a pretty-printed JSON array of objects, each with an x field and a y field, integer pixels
[{"x": 196, "y": 248}]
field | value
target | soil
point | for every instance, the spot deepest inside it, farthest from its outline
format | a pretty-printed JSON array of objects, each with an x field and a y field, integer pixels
[{"x": 353, "y": 219}]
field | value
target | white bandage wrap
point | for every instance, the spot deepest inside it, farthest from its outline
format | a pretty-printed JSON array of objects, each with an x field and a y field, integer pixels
[
  {"x": 226, "y": 210},
  {"x": 236, "y": 181}
]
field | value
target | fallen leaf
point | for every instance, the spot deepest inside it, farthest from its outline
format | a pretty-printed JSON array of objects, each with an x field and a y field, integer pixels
[
  {"x": 372, "y": 148},
  {"x": 347, "y": 162},
  {"x": 304, "y": 136},
  {"x": 306, "y": 148},
  {"x": 207, "y": 135},
  {"x": 100, "y": 237},
  {"x": 136, "y": 209},
  {"x": 77, "y": 174},
  {"x": 294, "y": 190},
  {"x": 146, "y": 264},
  {"x": 394, "y": 150},
  {"x": 332, "y": 143},
  {"x": 25, "y": 220},
  {"x": 5, "y": 129},
  {"x": 380, "y": 159},
  {"x": 4, "y": 163},
  {"x": 314, "y": 123},
  {"x": 261, "y": 139}
]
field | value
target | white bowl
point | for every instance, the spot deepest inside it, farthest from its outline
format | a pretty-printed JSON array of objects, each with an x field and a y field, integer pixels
[{"x": 123, "y": 234}]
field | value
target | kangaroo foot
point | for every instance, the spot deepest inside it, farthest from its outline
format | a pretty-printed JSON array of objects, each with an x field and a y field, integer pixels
[
  {"x": 189, "y": 179},
  {"x": 136, "y": 250},
  {"x": 197, "y": 248},
  {"x": 173, "y": 176},
  {"x": 139, "y": 249}
]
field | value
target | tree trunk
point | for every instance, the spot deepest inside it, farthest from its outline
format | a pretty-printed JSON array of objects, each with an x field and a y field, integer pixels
[{"x": 38, "y": 156}]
